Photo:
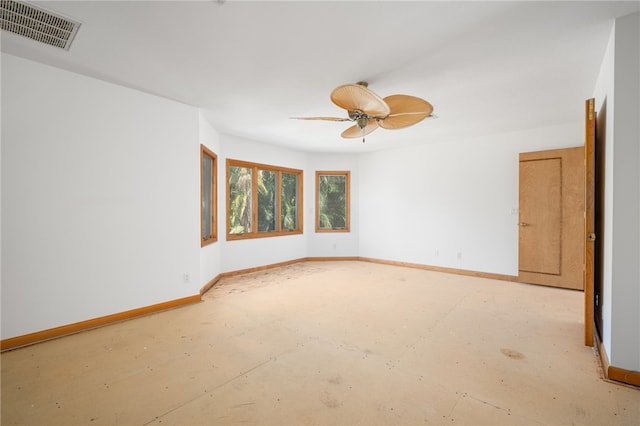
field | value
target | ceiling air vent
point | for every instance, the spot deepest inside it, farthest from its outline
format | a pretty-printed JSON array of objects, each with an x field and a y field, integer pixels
[{"x": 37, "y": 24}]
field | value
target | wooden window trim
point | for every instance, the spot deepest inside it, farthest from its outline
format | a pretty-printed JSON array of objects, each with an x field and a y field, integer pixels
[
  {"x": 204, "y": 151},
  {"x": 347, "y": 174},
  {"x": 254, "y": 202}
]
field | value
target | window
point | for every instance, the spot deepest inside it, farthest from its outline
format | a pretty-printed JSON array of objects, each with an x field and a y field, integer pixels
[
  {"x": 208, "y": 197},
  {"x": 332, "y": 201},
  {"x": 262, "y": 201}
]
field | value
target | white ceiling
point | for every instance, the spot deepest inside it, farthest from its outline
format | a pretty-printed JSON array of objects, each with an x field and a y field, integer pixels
[{"x": 487, "y": 67}]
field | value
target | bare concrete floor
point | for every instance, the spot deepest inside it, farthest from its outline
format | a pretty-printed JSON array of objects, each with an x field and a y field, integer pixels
[{"x": 328, "y": 343}]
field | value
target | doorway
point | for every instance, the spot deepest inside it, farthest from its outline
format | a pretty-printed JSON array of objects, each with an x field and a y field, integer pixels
[{"x": 595, "y": 142}]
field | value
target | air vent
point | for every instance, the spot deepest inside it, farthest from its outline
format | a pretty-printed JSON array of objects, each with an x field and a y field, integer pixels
[{"x": 37, "y": 24}]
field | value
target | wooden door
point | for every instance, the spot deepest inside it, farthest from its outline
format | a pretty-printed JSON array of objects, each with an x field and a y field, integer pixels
[
  {"x": 540, "y": 216},
  {"x": 589, "y": 247},
  {"x": 551, "y": 222}
]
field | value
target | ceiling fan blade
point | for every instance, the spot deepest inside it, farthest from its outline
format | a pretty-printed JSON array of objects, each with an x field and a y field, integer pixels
[
  {"x": 356, "y": 97},
  {"x": 405, "y": 111},
  {"x": 321, "y": 118},
  {"x": 356, "y": 132}
]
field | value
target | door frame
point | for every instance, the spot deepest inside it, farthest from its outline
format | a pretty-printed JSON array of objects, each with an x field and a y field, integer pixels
[{"x": 589, "y": 234}]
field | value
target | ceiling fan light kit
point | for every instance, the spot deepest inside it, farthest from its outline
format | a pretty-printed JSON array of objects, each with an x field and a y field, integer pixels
[{"x": 369, "y": 111}]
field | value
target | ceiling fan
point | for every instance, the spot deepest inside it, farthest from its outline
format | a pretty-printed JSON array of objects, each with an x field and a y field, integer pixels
[{"x": 369, "y": 111}]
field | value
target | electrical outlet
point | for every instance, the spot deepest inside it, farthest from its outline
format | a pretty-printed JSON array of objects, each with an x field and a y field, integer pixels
[
  {"x": 437, "y": 253},
  {"x": 186, "y": 277},
  {"x": 459, "y": 255}
]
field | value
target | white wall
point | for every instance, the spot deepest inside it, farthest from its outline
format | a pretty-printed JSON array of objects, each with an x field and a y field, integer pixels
[
  {"x": 244, "y": 254},
  {"x": 100, "y": 190},
  {"x": 430, "y": 203},
  {"x": 210, "y": 254},
  {"x": 625, "y": 329},
  {"x": 99, "y": 198},
  {"x": 604, "y": 94},
  {"x": 250, "y": 253},
  {"x": 619, "y": 84}
]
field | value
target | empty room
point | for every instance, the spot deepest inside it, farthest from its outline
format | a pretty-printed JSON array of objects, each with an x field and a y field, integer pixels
[{"x": 224, "y": 212}]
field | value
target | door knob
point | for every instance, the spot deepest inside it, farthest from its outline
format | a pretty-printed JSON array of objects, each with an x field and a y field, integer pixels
[{"x": 523, "y": 224}]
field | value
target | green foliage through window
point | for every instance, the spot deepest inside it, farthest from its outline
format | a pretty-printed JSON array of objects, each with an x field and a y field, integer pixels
[
  {"x": 208, "y": 202},
  {"x": 240, "y": 184},
  {"x": 289, "y": 211},
  {"x": 267, "y": 201},
  {"x": 263, "y": 200},
  {"x": 332, "y": 201}
]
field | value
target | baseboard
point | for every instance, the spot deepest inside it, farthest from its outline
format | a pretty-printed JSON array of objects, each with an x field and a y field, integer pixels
[
  {"x": 358, "y": 258},
  {"x": 279, "y": 264},
  {"x": 602, "y": 354},
  {"x": 330, "y": 258},
  {"x": 52, "y": 333},
  {"x": 210, "y": 284},
  {"x": 261, "y": 268},
  {"x": 615, "y": 374},
  {"x": 442, "y": 269},
  {"x": 621, "y": 375},
  {"x": 352, "y": 258},
  {"x": 215, "y": 280}
]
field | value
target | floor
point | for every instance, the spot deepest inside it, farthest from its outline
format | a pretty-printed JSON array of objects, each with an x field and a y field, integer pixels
[{"x": 329, "y": 343}]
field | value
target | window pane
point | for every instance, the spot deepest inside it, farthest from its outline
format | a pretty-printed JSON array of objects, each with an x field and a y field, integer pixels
[
  {"x": 267, "y": 201},
  {"x": 206, "y": 213},
  {"x": 239, "y": 200},
  {"x": 289, "y": 201},
  {"x": 332, "y": 202}
]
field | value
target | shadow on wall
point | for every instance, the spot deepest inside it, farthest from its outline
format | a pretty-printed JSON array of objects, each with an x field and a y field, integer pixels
[{"x": 600, "y": 152}]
